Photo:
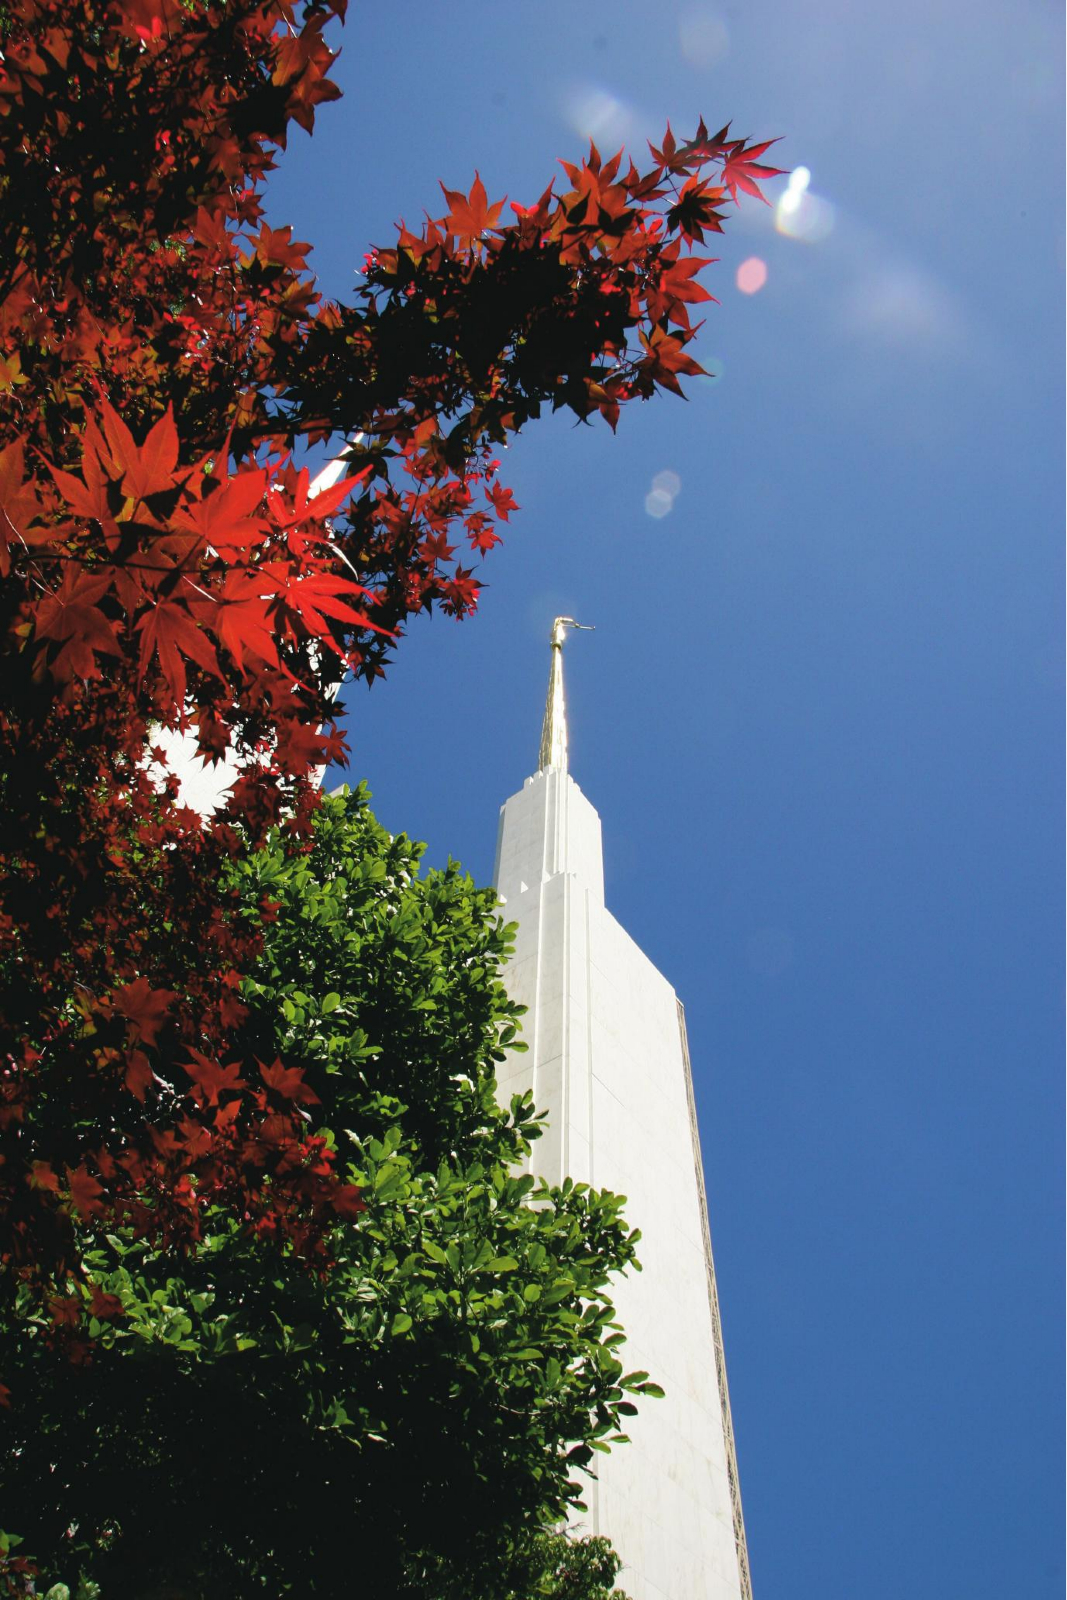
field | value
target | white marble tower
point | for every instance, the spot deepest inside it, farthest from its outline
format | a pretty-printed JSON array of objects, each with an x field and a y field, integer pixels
[{"x": 607, "y": 1059}]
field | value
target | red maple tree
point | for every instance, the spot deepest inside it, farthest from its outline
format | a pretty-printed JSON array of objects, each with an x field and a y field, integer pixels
[{"x": 163, "y": 564}]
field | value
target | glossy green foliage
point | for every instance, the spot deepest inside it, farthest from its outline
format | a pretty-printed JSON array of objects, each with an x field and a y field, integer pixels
[{"x": 411, "y": 1414}]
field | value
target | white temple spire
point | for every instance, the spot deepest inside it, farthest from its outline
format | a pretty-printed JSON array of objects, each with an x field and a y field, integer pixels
[
  {"x": 607, "y": 1061},
  {"x": 554, "y": 728}
]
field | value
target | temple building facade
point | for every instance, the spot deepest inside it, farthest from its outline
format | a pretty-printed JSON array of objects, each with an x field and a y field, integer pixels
[{"x": 608, "y": 1060}]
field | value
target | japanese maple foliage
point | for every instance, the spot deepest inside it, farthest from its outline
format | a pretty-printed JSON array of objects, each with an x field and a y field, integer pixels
[{"x": 163, "y": 564}]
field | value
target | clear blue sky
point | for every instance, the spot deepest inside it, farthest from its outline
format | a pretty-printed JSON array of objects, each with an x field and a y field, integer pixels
[{"x": 820, "y": 716}]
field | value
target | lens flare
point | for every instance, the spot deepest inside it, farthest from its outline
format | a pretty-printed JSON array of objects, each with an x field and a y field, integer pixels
[
  {"x": 751, "y": 275},
  {"x": 703, "y": 37},
  {"x": 661, "y": 497},
  {"x": 715, "y": 369},
  {"x": 799, "y": 179},
  {"x": 667, "y": 483},
  {"x": 595, "y": 113},
  {"x": 800, "y": 214}
]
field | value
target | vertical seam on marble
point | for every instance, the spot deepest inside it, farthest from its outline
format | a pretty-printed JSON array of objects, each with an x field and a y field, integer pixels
[{"x": 740, "y": 1542}]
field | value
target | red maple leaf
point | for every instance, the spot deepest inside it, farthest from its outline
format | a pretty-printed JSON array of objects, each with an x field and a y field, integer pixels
[
  {"x": 18, "y": 500},
  {"x": 666, "y": 358},
  {"x": 168, "y": 631},
  {"x": 232, "y": 1010},
  {"x": 694, "y": 210},
  {"x": 245, "y": 625},
  {"x": 740, "y": 170},
  {"x": 461, "y": 593},
  {"x": 149, "y": 469},
  {"x": 224, "y": 517},
  {"x": 66, "y": 1310},
  {"x": 70, "y": 615},
  {"x": 211, "y": 1078},
  {"x": 138, "y": 1074},
  {"x": 276, "y": 247},
  {"x": 300, "y": 745},
  {"x": 435, "y": 547},
  {"x": 480, "y": 531},
  {"x": 469, "y": 216},
  {"x": 665, "y": 154},
  {"x": 348, "y": 1202},
  {"x": 317, "y": 595},
  {"x": 42, "y": 1177},
  {"x": 504, "y": 502},
  {"x": 104, "y": 1306},
  {"x": 198, "y": 1139},
  {"x": 85, "y": 1192},
  {"x": 289, "y": 1083},
  {"x": 144, "y": 1008},
  {"x": 323, "y": 505},
  {"x": 676, "y": 280}
]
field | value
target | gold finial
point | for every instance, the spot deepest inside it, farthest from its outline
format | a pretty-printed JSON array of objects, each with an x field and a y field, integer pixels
[{"x": 554, "y": 728}]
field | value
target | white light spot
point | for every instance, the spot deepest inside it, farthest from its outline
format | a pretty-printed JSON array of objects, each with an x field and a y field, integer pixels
[
  {"x": 658, "y": 503},
  {"x": 597, "y": 114},
  {"x": 799, "y": 179},
  {"x": 800, "y": 214},
  {"x": 668, "y": 483}
]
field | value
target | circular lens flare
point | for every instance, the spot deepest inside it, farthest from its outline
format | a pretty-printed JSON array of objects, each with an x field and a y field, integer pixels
[
  {"x": 667, "y": 483},
  {"x": 799, "y": 214},
  {"x": 751, "y": 275}
]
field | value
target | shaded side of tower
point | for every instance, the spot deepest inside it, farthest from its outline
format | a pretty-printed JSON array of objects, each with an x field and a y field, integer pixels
[{"x": 607, "y": 1059}]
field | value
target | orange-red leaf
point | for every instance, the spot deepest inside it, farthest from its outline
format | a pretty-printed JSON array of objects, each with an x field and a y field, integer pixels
[
  {"x": 211, "y": 1078},
  {"x": 288, "y": 1082},
  {"x": 348, "y": 1202},
  {"x": 103, "y": 1306},
  {"x": 85, "y": 1192},
  {"x": 71, "y": 616},
  {"x": 144, "y": 1008},
  {"x": 741, "y": 171},
  {"x": 169, "y": 632},
  {"x": 469, "y": 216},
  {"x": 138, "y": 1074},
  {"x": 224, "y": 519}
]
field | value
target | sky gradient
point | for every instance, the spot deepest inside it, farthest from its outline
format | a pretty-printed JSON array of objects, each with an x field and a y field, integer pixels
[{"x": 820, "y": 716}]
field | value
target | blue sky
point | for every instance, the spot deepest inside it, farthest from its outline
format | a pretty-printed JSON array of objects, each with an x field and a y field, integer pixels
[{"x": 820, "y": 716}]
